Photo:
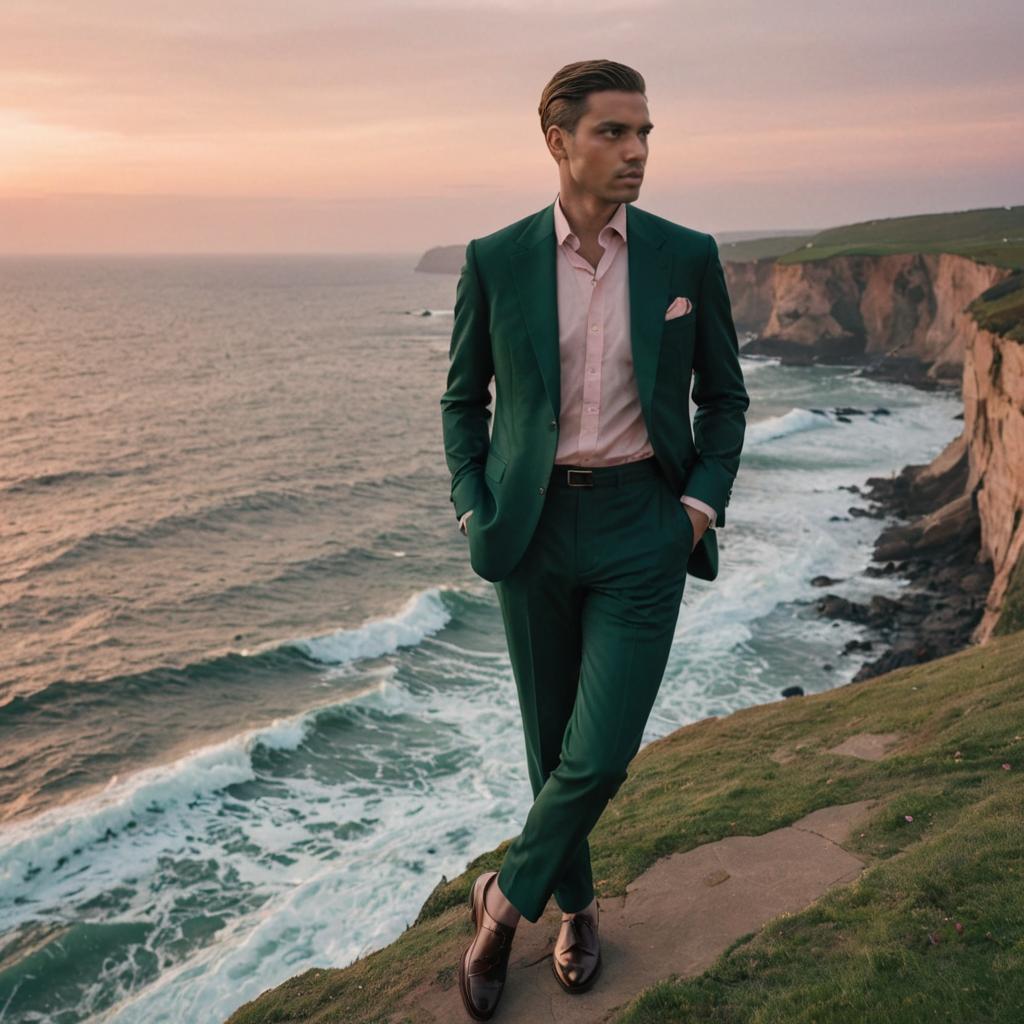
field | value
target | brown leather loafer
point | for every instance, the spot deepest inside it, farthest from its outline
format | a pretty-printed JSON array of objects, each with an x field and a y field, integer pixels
[
  {"x": 576, "y": 960},
  {"x": 484, "y": 964}
]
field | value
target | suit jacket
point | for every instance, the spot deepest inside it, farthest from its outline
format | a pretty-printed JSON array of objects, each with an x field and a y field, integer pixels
[{"x": 506, "y": 328}]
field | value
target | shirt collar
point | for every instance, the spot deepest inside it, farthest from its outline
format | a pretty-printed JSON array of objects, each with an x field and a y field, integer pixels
[{"x": 563, "y": 231}]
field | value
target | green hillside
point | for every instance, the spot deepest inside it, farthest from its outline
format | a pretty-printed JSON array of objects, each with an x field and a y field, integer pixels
[
  {"x": 750, "y": 249},
  {"x": 992, "y": 235}
]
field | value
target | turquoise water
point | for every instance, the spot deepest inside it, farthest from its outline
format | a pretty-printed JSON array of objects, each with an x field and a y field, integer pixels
[{"x": 248, "y": 668}]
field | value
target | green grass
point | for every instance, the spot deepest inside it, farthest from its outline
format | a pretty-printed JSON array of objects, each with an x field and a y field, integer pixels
[
  {"x": 886, "y": 948},
  {"x": 860, "y": 953},
  {"x": 1000, "y": 309},
  {"x": 990, "y": 235},
  {"x": 768, "y": 248}
]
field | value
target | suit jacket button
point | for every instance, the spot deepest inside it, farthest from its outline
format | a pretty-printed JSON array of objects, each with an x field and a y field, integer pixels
[
  {"x": 540, "y": 490},
  {"x": 553, "y": 424}
]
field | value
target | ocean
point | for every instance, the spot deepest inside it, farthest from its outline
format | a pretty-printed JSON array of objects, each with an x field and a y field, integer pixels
[{"x": 254, "y": 703}]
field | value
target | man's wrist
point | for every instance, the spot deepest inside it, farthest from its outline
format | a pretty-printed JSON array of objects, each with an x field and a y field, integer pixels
[{"x": 701, "y": 506}]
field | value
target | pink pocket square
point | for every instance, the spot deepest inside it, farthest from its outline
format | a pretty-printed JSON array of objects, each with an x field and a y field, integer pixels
[{"x": 680, "y": 305}]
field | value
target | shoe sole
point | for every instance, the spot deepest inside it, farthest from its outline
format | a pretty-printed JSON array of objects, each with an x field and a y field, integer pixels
[
  {"x": 575, "y": 990},
  {"x": 467, "y": 1004}
]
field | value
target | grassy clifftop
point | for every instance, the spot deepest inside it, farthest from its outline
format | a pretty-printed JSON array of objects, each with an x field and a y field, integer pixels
[
  {"x": 933, "y": 929},
  {"x": 991, "y": 235}
]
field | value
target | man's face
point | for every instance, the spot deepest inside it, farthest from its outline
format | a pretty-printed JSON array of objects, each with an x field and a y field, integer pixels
[{"x": 610, "y": 142}]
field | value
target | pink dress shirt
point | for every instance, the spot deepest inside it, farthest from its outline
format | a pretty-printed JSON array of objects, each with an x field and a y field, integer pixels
[{"x": 600, "y": 420}]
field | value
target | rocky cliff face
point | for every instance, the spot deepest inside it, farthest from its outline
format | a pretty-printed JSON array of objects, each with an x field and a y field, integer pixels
[
  {"x": 910, "y": 309},
  {"x": 993, "y": 389},
  {"x": 751, "y": 292},
  {"x": 904, "y": 309}
]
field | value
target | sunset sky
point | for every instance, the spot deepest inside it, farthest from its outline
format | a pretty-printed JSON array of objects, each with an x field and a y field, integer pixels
[{"x": 327, "y": 125}]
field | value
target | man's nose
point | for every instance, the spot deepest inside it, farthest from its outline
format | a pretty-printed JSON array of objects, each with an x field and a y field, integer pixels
[{"x": 635, "y": 153}]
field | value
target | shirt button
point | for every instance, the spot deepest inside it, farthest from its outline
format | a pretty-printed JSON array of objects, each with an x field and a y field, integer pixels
[{"x": 593, "y": 328}]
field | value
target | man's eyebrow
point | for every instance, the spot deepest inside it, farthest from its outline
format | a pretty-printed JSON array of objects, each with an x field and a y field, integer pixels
[{"x": 622, "y": 124}]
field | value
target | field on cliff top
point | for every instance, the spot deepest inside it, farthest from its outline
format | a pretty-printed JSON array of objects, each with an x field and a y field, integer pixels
[
  {"x": 931, "y": 929},
  {"x": 991, "y": 235}
]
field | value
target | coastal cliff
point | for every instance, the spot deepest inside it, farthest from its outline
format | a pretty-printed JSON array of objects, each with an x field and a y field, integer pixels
[
  {"x": 922, "y": 318},
  {"x": 904, "y": 315},
  {"x": 993, "y": 388},
  {"x": 932, "y": 318}
]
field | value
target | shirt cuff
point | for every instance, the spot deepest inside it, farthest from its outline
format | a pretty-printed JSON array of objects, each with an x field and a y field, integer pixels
[
  {"x": 462, "y": 521},
  {"x": 702, "y": 506}
]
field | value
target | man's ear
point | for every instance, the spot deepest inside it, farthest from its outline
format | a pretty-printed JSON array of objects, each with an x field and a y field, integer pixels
[{"x": 555, "y": 140}]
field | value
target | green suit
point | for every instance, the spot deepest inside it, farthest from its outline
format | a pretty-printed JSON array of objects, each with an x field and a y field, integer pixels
[
  {"x": 506, "y": 327},
  {"x": 589, "y": 579}
]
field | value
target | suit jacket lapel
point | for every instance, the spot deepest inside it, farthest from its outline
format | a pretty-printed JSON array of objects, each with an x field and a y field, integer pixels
[
  {"x": 534, "y": 272},
  {"x": 650, "y": 270},
  {"x": 533, "y": 268}
]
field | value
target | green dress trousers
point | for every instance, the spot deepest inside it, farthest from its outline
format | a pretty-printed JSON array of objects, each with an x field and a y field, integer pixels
[{"x": 589, "y": 613}]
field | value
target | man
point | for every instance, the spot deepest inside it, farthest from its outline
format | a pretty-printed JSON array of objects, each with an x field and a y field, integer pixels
[{"x": 591, "y": 498}]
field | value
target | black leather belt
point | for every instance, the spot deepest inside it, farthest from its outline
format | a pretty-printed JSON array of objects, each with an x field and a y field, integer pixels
[{"x": 605, "y": 476}]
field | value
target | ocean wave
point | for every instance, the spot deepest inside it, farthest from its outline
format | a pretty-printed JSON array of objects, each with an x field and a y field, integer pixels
[
  {"x": 59, "y": 478},
  {"x": 47, "y": 841},
  {"x": 68, "y": 698},
  {"x": 752, "y": 364},
  {"x": 218, "y": 517},
  {"x": 792, "y": 422},
  {"x": 215, "y": 517},
  {"x": 424, "y": 613}
]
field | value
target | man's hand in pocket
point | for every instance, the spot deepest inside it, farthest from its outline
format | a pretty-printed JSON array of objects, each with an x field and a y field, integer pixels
[{"x": 699, "y": 521}]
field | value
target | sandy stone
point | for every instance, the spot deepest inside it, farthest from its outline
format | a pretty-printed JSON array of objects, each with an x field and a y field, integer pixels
[
  {"x": 676, "y": 918},
  {"x": 871, "y": 746}
]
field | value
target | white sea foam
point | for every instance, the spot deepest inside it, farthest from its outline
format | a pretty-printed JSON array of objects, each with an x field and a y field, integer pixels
[
  {"x": 755, "y": 364},
  {"x": 792, "y": 422},
  {"x": 36, "y": 847},
  {"x": 422, "y": 615},
  {"x": 30, "y": 850},
  {"x": 420, "y": 825}
]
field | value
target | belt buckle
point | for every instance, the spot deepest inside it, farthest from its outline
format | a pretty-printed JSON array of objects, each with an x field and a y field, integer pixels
[{"x": 586, "y": 474}]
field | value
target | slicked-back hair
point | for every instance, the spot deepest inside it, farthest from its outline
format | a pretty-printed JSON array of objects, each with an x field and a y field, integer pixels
[{"x": 564, "y": 99}]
